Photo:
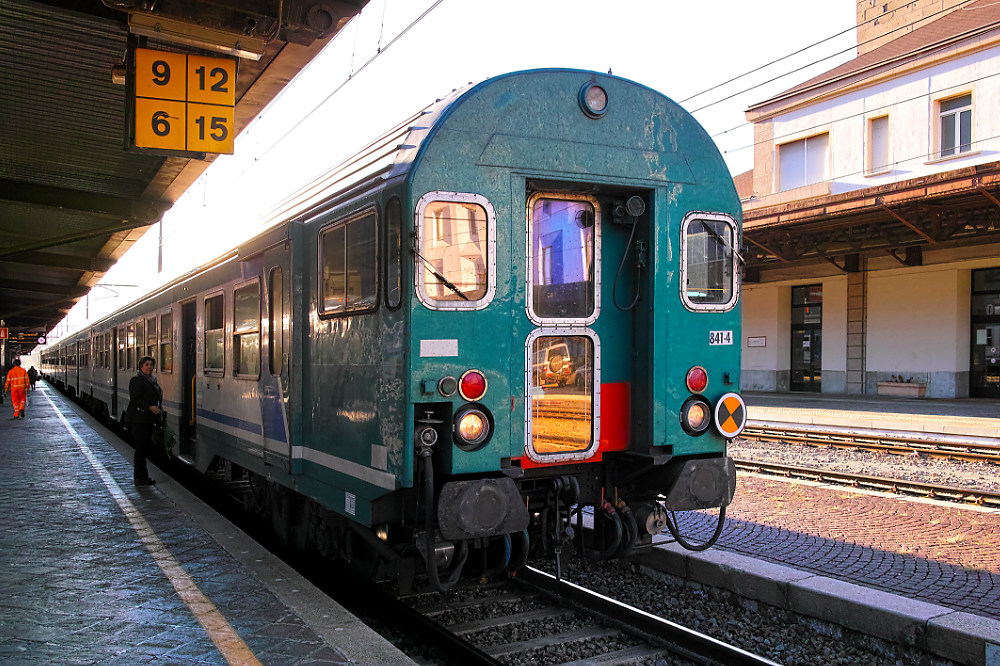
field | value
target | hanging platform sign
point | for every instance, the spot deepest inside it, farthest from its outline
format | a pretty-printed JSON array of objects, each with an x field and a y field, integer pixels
[{"x": 183, "y": 102}]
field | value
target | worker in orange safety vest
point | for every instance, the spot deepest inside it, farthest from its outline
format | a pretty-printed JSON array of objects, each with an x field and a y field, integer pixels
[{"x": 17, "y": 384}]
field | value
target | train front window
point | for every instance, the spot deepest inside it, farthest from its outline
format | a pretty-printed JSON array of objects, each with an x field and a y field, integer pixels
[
  {"x": 563, "y": 403},
  {"x": 455, "y": 252},
  {"x": 563, "y": 242},
  {"x": 709, "y": 253}
]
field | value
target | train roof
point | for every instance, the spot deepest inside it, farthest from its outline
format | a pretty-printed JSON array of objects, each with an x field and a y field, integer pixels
[{"x": 393, "y": 154}]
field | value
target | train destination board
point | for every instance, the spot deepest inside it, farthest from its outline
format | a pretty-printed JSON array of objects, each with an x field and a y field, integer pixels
[{"x": 184, "y": 102}]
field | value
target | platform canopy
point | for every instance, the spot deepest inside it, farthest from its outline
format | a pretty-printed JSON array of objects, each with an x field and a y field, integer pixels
[{"x": 73, "y": 197}]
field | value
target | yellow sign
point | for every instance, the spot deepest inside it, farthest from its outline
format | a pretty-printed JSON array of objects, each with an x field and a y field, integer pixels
[{"x": 184, "y": 102}]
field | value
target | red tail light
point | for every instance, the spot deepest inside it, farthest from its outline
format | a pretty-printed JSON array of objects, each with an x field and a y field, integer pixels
[
  {"x": 472, "y": 386},
  {"x": 697, "y": 379}
]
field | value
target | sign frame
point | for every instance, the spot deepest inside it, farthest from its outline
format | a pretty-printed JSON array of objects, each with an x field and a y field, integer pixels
[{"x": 173, "y": 130}]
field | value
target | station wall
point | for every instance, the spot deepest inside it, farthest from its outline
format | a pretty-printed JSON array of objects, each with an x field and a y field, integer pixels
[{"x": 918, "y": 329}]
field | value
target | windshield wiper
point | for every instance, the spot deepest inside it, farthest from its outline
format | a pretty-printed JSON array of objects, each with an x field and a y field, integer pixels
[
  {"x": 440, "y": 277},
  {"x": 722, "y": 241}
]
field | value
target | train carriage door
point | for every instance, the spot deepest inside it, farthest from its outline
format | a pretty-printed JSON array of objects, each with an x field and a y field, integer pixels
[
  {"x": 586, "y": 258},
  {"x": 276, "y": 371},
  {"x": 188, "y": 369}
]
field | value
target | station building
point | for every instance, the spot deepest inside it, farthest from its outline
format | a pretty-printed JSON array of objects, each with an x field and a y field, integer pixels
[{"x": 872, "y": 213}]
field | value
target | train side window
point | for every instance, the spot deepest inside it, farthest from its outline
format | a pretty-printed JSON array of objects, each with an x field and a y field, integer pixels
[
  {"x": 140, "y": 341},
  {"x": 709, "y": 252},
  {"x": 276, "y": 324},
  {"x": 347, "y": 263},
  {"x": 166, "y": 342},
  {"x": 151, "y": 337},
  {"x": 393, "y": 254},
  {"x": 456, "y": 248},
  {"x": 246, "y": 330},
  {"x": 215, "y": 342},
  {"x": 130, "y": 347},
  {"x": 121, "y": 347}
]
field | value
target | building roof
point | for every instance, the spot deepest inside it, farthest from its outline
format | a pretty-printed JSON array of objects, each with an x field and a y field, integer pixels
[{"x": 972, "y": 20}]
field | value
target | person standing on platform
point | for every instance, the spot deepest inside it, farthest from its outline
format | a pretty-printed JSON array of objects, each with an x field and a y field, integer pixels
[
  {"x": 32, "y": 377},
  {"x": 142, "y": 415},
  {"x": 17, "y": 383}
]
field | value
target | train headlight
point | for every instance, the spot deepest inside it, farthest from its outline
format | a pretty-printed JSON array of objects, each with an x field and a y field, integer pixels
[
  {"x": 696, "y": 415},
  {"x": 697, "y": 379},
  {"x": 472, "y": 386},
  {"x": 472, "y": 427},
  {"x": 593, "y": 100}
]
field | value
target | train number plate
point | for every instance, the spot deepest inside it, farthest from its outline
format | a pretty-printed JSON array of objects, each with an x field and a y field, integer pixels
[{"x": 720, "y": 337}]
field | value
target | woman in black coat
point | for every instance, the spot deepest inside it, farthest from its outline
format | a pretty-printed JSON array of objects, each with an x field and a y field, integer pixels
[{"x": 144, "y": 408}]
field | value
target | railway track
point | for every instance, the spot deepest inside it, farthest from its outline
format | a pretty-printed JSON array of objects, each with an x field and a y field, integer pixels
[
  {"x": 538, "y": 619},
  {"x": 943, "y": 446},
  {"x": 897, "y": 486}
]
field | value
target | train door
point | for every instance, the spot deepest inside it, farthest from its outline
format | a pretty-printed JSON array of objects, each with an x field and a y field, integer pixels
[
  {"x": 276, "y": 371},
  {"x": 188, "y": 369},
  {"x": 584, "y": 253},
  {"x": 113, "y": 369}
]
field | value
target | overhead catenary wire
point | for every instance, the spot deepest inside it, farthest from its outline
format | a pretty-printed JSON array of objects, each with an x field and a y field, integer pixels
[{"x": 808, "y": 65}]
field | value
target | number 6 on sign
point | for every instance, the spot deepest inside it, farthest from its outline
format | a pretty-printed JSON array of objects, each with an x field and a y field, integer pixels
[{"x": 159, "y": 124}]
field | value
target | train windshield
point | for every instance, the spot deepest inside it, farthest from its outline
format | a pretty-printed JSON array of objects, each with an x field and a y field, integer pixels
[
  {"x": 454, "y": 251},
  {"x": 709, "y": 252}
]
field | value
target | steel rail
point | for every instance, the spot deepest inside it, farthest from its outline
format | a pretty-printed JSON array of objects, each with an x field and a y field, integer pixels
[
  {"x": 896, "y": 486},
  {"x": 678, "y": 639},
  {"x": 901, "y": 444}
]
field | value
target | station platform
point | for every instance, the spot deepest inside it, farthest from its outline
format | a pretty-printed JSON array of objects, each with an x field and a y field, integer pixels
[
  {"x": 912, "y": 571},
  {"x": 96, "y": 571},
  {"x": 961, "y": 418}
]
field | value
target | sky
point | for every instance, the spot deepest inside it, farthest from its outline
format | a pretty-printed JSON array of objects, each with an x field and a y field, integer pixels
[{"x": 397, "y": 56}]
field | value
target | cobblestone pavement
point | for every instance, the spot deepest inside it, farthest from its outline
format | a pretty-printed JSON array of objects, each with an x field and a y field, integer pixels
[
  {"x": 928, "y": 551},
  {"x": 77, "y": 586}
]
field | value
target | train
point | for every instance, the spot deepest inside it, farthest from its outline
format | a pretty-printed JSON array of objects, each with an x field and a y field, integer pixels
[{"x": 507, "y": 328}]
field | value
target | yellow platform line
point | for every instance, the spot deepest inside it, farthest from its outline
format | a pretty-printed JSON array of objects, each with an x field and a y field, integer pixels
[{"x": 218, "y": 629}]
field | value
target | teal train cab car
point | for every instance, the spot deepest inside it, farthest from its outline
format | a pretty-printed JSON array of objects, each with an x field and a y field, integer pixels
[{"x": 508, "y": 326}]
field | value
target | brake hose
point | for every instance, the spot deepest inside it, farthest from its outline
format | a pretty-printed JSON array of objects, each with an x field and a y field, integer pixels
[{"x": 675, "y": 532}]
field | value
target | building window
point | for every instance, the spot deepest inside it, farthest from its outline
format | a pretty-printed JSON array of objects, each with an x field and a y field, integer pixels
[
  {"x": 878, "y": 144},
  {"x": 803, "y": 162},
  {"x": 956, "y": 125},
  {"x": 347, "y": 262},
  {"x": 215, "y": 351}
]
